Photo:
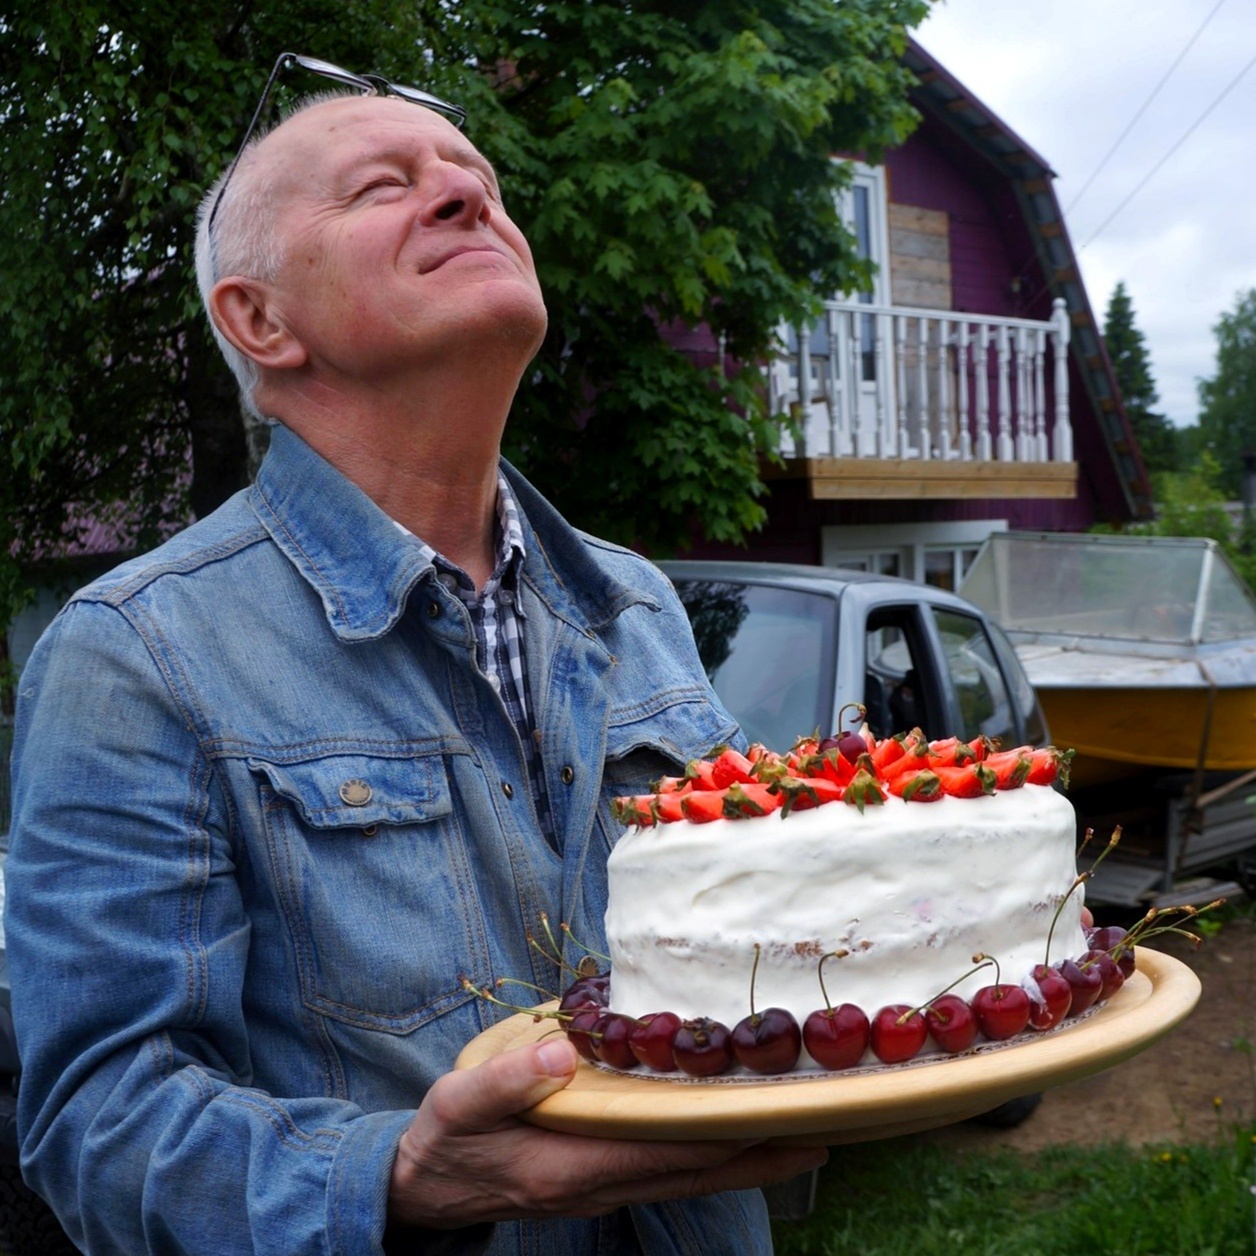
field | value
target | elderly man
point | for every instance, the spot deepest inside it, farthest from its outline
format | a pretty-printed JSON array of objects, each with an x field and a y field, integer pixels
[{"x": 282, "y": 783}]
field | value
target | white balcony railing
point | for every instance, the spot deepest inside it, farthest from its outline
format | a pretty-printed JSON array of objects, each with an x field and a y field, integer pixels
[{"x": 873, "y": 381}]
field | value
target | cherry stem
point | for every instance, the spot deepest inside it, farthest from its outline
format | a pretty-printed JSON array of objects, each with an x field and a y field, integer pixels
[
  {"x": 515, "y": 981},
  {"x": 985, "y": 963},
  {"x": 484, "y": 993},
  {"x": 588, "y": 950},
  {"x": 754, "y": 968},
  {"x": 1081, "y": 879},
  {"x": 859, "y": 706},
  {"x": 563, "y": 966},
  {"x": 842, "y": 954},
  {"x": 998, "y": 976}
]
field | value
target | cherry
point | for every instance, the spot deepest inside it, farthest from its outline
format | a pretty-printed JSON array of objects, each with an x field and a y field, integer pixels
[
  {"x": 580, "y": 1029},
  {"x": 1108, "y": 939},
  {"x": 1110, "y": 975},
  {"x": 952, "y": 1023},
  {"x": 897, "y": 1033},
  {"x": 1057, "y": 998},
  {"x": 652, "y": 1038},
  {"x": 1002, "y": 1011},
  {"x": 703, "y": 1048},
  {"x": 1085, "y": 983},
  {"x": 836, "y": 1037},
  {"x": 586, "y": 992},
  {"x": 768, "y": 1041},
  {"x": 610, "y": 1040}
]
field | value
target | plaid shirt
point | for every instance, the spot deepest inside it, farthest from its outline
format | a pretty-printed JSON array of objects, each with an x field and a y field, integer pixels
[{"x": 496, "y": 614}]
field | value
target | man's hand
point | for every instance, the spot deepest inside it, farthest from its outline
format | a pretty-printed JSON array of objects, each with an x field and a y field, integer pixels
[{"x": 467, "y": 1158}]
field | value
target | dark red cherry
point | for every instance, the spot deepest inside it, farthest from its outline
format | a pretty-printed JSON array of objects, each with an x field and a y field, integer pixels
[
  {"x": 850, "y": 746},
  {"x": 585, "y": 992},
  {"x": 897, "y": 1033},
  {"x": 1108, "y": 939},
  {"x": 1085, "y": 983},
  {"x": 1057, "y": 998},
  {"x": 952, "y": 1023},
  {"x": 768, "y": 1041},
  {"x": 1002, "y": 1011},
  {"x": 580, "y": 1029},
  {"x": 836, "y": 1037},
  {"x": 610, "y": 1040},
  {"x": 652, "y": 1039},
  {"x": 703, "y": 1048},
  {"x": 1111, "y": 978}
]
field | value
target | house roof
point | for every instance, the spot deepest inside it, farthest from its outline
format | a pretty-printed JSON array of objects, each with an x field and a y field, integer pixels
[{"x": 944, "y": 98}]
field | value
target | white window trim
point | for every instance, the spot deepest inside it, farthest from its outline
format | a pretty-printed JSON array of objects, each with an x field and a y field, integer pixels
[
  {"x": 911, "y": 540},
  {"x": 879, "y": 227}
]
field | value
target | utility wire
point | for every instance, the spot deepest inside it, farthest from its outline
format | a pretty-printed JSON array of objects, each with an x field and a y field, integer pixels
[
  {"x": 1142, "y": 109},
  {"x": 1233, "y": 83}
]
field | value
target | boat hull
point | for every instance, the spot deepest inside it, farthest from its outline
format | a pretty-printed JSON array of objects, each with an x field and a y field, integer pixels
[{"x": 1117, "y": 730}]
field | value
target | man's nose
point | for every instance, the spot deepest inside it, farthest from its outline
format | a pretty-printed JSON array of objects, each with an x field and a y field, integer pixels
[{"x": 453, "y": 193}]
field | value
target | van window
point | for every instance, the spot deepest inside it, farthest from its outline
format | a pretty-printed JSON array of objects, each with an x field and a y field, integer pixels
[{"x": 985, "y": 705}]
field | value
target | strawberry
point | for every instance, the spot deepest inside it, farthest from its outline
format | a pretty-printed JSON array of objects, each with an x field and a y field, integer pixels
[
  {"x": 701, "y": 774},
  {"x": 915, "y": 757},
  {"x": 1010, "y": 767},
  {"x": 750, "y": 799},
  {"x": 672, "y": 785},
  {"x": 922, "y": 785},
  {"x": 887, "y": 751},
  {"x": 670, "y": 806},
  {"x": 641, "y": 810},
  {"x": 864, "y": 790},
  {"x": 955, "y": 753},
  {"x": 1048, "y": 765},
  {"x": 802, "y": 795},
  {"x": 970, "y": 781},
  {"x": 756, "y": 752},
  {"x": 703, "y": 805},
  {"x": 731, "y": 765}
]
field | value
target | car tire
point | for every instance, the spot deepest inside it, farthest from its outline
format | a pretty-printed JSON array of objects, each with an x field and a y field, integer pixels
[
  {"x": 1009, "y": 1115},
  {"x": 27, "y": 1225}
]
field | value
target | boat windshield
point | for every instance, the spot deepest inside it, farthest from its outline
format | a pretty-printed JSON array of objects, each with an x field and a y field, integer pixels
[{"x": 1166, "y": 589}]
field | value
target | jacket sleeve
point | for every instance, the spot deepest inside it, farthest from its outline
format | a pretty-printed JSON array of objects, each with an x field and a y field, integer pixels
[{"x": 127, "y": 944}]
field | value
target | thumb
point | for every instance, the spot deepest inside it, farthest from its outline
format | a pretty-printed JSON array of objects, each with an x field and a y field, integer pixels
[{"x": 478, "y": 1100}]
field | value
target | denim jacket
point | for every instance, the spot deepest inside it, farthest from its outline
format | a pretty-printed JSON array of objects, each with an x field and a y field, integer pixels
[{"x": 267, "y": 813}]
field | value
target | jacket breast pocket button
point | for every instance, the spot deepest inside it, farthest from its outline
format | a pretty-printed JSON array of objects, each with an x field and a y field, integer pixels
[
  {"x": 567, "y": 775},
  {"x": 508, "y": 789},
  {"x": 355, "y": 793}
]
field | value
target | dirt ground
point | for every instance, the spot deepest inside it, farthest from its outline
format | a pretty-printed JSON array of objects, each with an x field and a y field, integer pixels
[{"x": 1168, "y": 1093}]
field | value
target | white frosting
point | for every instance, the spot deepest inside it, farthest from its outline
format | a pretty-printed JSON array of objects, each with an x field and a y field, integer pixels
[{"x": 912, "y": 890}]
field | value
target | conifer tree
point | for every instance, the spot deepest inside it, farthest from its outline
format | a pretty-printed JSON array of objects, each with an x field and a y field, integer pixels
[{"x": 1128, "y": 352}]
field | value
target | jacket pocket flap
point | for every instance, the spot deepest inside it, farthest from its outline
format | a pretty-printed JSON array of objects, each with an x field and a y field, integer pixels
[
  {"x": 353, "y": 790},
  {"x": 682, "y": 725}
]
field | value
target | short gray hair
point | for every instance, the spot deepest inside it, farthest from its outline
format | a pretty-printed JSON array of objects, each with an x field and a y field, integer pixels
[{"x": 244, "y": 240}]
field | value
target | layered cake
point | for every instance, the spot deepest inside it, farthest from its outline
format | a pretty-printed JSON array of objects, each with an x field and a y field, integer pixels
[{"x": 900, "y": 863}]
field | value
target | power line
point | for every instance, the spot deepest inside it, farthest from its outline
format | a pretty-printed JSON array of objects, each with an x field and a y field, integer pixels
[
  {"x": 1142, "y": 109},
  {"x": 1233, "y": 83}
]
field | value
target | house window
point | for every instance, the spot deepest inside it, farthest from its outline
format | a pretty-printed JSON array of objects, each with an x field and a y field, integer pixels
[{"x": 939, "y": 554}]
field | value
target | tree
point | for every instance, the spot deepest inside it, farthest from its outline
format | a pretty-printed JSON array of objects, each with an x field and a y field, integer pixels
[
  {"x": 1132, "y": 365},
  {"x": 669, "y": 160},
  {"x": 1227, "y": 418}
]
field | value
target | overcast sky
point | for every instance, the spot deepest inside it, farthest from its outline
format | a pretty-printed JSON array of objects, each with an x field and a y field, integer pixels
[{"x": 1069, "y": 76}]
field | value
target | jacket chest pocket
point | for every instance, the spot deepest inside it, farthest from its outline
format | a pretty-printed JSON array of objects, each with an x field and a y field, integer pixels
[{"x": 374, "y": 885}]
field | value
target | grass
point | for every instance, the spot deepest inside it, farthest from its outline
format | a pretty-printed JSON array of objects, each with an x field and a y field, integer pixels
[{"x": 901, "y": 1198}]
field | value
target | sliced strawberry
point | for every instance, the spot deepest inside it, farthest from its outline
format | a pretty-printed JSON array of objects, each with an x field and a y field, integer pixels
[
  {"x": 641, "y": 810},
  {"x": 913, "y": 759},
  {"x": 887, "y": 751},
  {"x": 700, "y": 773},
  {"x": 832, "y": 765},
  {"x": 922, "y": 785},
  {"x": 864, "y": 790},
  {"x": 672, "y": 785},
  {"x": 802, "y": 795},
  {"x": 729, "y": 766},
  {"x": 703, "y": 805},
  {"x": 955, "y": 753},
  {"x": 970, "y": 781},
  {"x": 1050, "y": 764},
  {"x": 670, "y": 806},
  {"x": 750, "y": 800},
  {"x": 1010, "y": 767}
]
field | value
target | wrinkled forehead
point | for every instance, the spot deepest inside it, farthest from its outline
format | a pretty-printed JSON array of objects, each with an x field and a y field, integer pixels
[{"x": 325, "y": 137}]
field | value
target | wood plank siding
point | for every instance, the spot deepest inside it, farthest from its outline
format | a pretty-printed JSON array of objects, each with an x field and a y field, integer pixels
[{"x": 920, "y": 257}]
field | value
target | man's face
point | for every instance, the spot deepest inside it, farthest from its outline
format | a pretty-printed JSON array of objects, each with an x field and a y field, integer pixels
[{"x": 395, "y": 246}]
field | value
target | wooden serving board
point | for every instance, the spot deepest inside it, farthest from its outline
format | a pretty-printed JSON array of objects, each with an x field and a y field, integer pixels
[{"x": 818, "y": 1108}]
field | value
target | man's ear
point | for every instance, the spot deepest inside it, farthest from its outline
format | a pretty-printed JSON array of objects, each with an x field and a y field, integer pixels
[{"x": 243, "y": 311}]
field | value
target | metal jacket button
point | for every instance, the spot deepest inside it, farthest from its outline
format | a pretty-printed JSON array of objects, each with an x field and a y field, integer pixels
[
  {"x": 567, "y": 775},
  {"x": 355, "y": 793},
  {"x": 508, "y": 789},
  {"x": 433, "y": 610}
]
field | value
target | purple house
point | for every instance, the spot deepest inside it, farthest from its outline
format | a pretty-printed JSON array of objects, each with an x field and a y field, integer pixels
[{"x": 969, "y": 390}]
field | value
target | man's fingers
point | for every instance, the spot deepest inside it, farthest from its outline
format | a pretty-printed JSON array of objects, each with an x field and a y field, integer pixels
[{"x": 481, "y": 1099}]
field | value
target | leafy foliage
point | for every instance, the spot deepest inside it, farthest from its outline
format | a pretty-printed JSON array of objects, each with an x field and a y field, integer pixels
[
  {"x": 1132, "y": 364},
  {"x": 1227, "y": 419},
  {"x": 670, "y": 163}
]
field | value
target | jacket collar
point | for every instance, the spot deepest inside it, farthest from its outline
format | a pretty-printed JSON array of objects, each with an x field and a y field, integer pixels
[{"x": 363, "y": 567}]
